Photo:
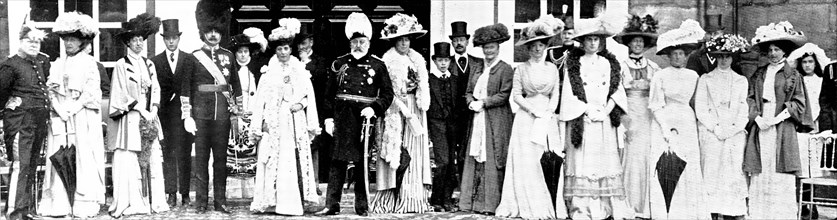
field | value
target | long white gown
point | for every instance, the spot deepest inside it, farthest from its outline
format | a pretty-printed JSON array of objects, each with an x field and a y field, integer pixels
[
  {"x": 74, "y": 86},
  {"x": 721, "y": 108},
  {"x": 525, "y": 193},
  {"x": 671, "y": 91},
  {"x": 284, "y": 134}
]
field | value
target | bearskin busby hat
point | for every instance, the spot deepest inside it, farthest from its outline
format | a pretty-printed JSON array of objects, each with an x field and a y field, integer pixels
[
  {"x": 358, "y": 25},
  {"x": 213, "y": 15}
]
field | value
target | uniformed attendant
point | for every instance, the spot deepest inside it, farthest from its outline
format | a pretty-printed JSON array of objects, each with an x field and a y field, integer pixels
[
  {"x": 360, "y": 88},
  {"x": 211, "y": 98},
  {"x": 23, "y": 93},
  {"x": 172, "y": 67}
]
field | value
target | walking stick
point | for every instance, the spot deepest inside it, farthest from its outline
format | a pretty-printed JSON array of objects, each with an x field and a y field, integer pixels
[{"x": 367, "y": 124}]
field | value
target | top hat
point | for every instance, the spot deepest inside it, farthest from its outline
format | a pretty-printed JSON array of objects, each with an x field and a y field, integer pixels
[
  {"x": 713, "y": 23},
  {"x": 459, "y": 29},
  {"x": 441, "y": 50},
  {"x": 170, "y": 28}
]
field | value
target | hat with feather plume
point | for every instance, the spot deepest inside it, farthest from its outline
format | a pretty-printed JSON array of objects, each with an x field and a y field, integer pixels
[
  {"x": 75, "y": 24},
  {"x": 645, "y": 27},
  {"x": 607, "y": 24},
  {"x": 29, "y": 30},
  {"x": 358, "y": 25},
  {"x": 685, "y": 37},
  {"x": 490, "y": 34},
  {"x": 534, "y": 31},
  {"x": 143, "y": 25},
  {"x": 285, "y": 33}
]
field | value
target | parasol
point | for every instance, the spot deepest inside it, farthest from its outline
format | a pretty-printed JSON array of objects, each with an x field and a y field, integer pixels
[
  {"x": 551, "y": 165},
  {"x": 63, "y": 161},
  {"x": 669, "y": 168},
  {"x": 402, "y": 168}
]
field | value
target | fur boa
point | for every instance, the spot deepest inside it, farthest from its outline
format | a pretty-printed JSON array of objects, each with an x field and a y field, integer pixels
[{"x": 577, "y": 85}]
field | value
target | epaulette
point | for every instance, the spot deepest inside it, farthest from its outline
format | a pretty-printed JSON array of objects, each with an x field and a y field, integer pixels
[{"x": 333, "y": 68}]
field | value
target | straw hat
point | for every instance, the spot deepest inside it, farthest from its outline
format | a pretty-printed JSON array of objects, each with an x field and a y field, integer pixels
[
  {"x": 534, "y": 31},
  {"x": 782, "y": 34},
  {"x": 402, "y": 25}
]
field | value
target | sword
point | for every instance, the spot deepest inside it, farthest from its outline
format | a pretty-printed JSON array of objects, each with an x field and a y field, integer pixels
[{"x": 367, "y": 125}]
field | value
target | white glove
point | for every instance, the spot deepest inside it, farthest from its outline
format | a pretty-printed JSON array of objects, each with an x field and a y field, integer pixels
[
  {"x": 762, "y": 122},
  {"x": 476, "y": 106},
  {"x": 540, "y": 114},
  {"x": 781, "y": 117},
  {"x": 264, "y": 69},
  {"x": 189, "y": 125},
  {"x": 367, "y": 112},
  {"x": 329, "y": 126},
  {"x": 145, "y": 114}
]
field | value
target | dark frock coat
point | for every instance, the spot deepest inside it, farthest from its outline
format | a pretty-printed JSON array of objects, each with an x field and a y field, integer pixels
[
  {"x": 482, "y": 182},
  {"x": 790, "y": 95}
]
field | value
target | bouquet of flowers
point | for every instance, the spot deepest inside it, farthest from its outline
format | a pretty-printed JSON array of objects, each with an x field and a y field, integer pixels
[{"x": 728, "y": 43}]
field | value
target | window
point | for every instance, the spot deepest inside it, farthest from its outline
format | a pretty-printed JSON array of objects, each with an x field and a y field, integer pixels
[{"x": 109, "y": 13}]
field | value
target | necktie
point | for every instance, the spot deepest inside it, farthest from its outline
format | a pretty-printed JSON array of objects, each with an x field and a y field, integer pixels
[
  {"x": 461, "y": 62},
  {"x": 172, "y": 57}
]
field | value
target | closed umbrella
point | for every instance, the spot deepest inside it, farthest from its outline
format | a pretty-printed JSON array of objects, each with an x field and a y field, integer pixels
[
  {"x": 551, "y": 165},
  {"x": 64, "y": 162},
  {"x": 669, "y": 168}
]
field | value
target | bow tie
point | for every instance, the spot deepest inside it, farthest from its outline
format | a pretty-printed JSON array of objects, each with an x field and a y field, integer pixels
[{"x": 636, "y": 60}]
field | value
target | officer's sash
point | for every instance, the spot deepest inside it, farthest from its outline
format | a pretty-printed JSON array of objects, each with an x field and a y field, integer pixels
[{"x": 215, "y": 72}]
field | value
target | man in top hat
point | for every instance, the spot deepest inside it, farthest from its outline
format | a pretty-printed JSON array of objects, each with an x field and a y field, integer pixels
[
  {"x": 173, "y": 66},
  {"x": 462, "y": 65},
  {"x": 318, "y": 66},
  {"x": 699, "y": 60},
  {"x": 23, "y": 94},
  {"x": 359, "y": 89},
  {"x": 211, "y": 98}
]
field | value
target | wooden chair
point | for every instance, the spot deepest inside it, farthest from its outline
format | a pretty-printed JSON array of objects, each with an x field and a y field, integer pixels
[{"x": 822, "y": 154}]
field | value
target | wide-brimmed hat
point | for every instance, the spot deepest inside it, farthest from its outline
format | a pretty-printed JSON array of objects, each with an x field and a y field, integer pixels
[
  {"x": 256, "y": 35},
  {"x": 213, "y": 15},
  {"x": 534, "y": 31},
  {"x": 171, "y": 28},
  {"x": 490, "y": 34},
  {"x": 782, "y": 34},
  {"x": 606, "y": 25},
  {"x": 685, "y": 37},
  {"x": 645, "y": 27},
  {"x": 459, "y": 29},
  {"x": 358, "y": 25},
  {"x": 75, "y": 24},
  {"x": 727, "y": 44},
  {"x": 809, "y": 49},
  {"x": 441, "y": 49},
  {"x": 143, "y": 25},
  {"x": 285, "y": 33},
  {"x": 242, "y": 40},
  {"x": 401, "y": 25}
]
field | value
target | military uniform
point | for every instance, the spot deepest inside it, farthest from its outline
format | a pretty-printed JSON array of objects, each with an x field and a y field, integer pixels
[
  {"x": 354, "y": 85},
  {"x": 207, "y": 101},
  {"x": 23, "y": 92}
]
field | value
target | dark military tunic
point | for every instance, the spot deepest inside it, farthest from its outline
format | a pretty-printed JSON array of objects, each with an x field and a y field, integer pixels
[
  {"x": 355, "y": 85},
  {"x": 23, "y": 93},
  {"x": 208, "y": 104}
]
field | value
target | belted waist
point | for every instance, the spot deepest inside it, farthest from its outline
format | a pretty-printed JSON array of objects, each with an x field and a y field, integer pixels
[
  {"x": 213, "y": 88},
  {"x": 637, "y": 92},
  {"x": 355, "y": 98}
]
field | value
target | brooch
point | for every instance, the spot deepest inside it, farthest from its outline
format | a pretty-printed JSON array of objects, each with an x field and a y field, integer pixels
[
  {"x": 287, "y": 79},
  {"x": 226, "y": 72},
  {"x": 369, "y": 80},
  {"x": 371, "y": 72}
]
